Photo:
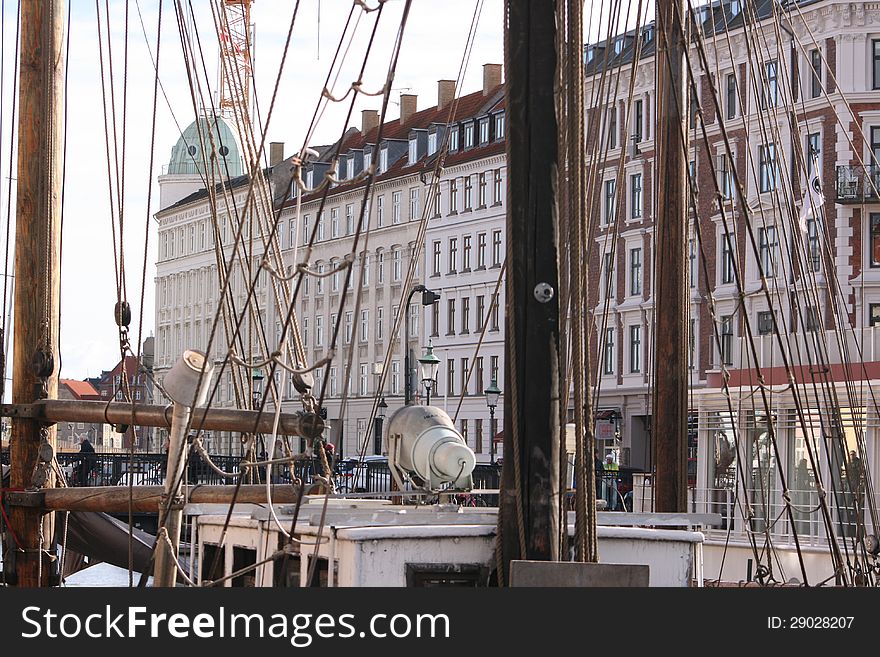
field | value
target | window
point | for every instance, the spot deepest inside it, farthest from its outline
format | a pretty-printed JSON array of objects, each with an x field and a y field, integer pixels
[
  {"x": 292, "y": 239},
  {"x": 383, "y": 160},
  {"x": 478, "y": 375},
  {"x": 413, "y": 203},
  {"x": 453, "y": 196},
  {"x": 610, "y": 196},
  {"x": 435, "y": 198},
  {"x": 478, "y": 432},
  {"x": 436, "y": 259},
  {"x": 727, "y": 259},
  {"x": 494, "y": 369},
  {"x": 608, "y": 352},
  {"x": 468, "y": 196},
  {"x": 396, "y": 264},
  {"x": 811, "y": 152},
  {"x": 765, "y": 322},
  {"x": 380, "y": 266},
  {"x": 368, "y": 157},
  {"x": 320, "y": 236},
  {"x": 468, "y": 135},
  {"x": 635, "y": 349},
  {"x": 349, "y": 219},
  {"x": 334, "y": 277},
  {"x": 727, "y": 340},
  {"x": 692, "y": 175},
  {"x": 481, "y": 309},
  {"x": 365, "y": 325},
  {"x": 725, "y": 177},
  {"x": 334, "y": 222},
  {"x": 496, "y": 248},
  {"x": 768, "y": 171},
  {"x": 432, "y": 143},
  {"x": 638, "y": 121},
  {"x": 484, "y": 131},
  {"x": 365, "y": 269},
  {"x": 694, "y": 109},
  {"x": 362, "y": 389},
  {"x": 635, "y": 271},
  {"x": 635, "y": 187},
  {"x": 499, "y": 126},
  {"x": 612, "y": 127},
  {"x": 730, "y": 95},
  {"x": 465, "y": 365},
  {"x": 380, "y": 323},
  {"x": 413, "y": 150},
  {"x": 450, "y": 317},
  {"x": 380, "y": 211},
  {"x": 493, "y": 326},
  {"x": 465, "y": 314},
  {"x": 770, "y": 97},
  {"x": 333, "y": 387},
  {"x": 481, "y": 250},
  {"x": 415, "y": 312},
  {"x": 875, "y": 62},
  {"x": 319, "y": 331},
  {"x": 875, "y": 146},
  {"x": 874, "y": 314},
  {"x": 395, "y": 377},
  {"x": 349, "y": 167},
  {"x": 815, "y": 73},
  {"x": 435, "y": 319},
  {"x": 496, "y": 187},
  {"x": 395, "y": 208},
  {"x": 453, "y": 138},
  {"x": 874, "y": 240},
  {"x": 767, "y": 250},
  {"x": 692, "y": 342},
  {"x": 464, "y": 422},
  {"x": 453, "y": 254},
  {"x": 319, "y": 280},
  {"x": 692, "y": 263},
  {"x": 450, "y": 376},
  {"x": 481, "y": 190},
  {"x": 349, "y": 323},
  {"x": 466, "y": 253},
  {"x": 608, "y": 274},
  {"x": 814, "y": 256}
]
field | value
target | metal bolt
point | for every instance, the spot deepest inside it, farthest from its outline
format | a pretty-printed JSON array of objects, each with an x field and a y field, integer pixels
[{"x": 544, "y": 292}]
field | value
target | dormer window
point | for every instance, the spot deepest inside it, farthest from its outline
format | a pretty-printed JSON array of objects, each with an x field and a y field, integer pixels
[
  {"x": 309, "y": 178},
  {"x": 349, "y": 168},
  {"x": 383, "y": 160},
  {"x": 618, "y": 45},
  {"x": 432, "y": 143},
  {"x": 453, "y": 139},
  {"x": 484, "y": 131},
  {"x": 499, "y": 126},
  {"x": 648, "y": 34},
  {"x": 413, "y": 150},
  {"x": 468, "y": 135},
  {"x": 591, "y": 54},
  {"x": 368, "y": 158},
  {"x": 734, "y": 7}
]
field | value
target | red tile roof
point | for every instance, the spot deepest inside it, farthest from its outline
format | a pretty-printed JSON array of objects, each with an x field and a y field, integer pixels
[{"x": 80, "y": 389}]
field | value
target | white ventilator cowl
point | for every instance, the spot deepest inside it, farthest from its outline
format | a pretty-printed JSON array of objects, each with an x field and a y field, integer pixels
[{"x": 184, "y": 383}]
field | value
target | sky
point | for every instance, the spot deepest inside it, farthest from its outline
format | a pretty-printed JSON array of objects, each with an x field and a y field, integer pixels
[{"x": 433, "y": 46}]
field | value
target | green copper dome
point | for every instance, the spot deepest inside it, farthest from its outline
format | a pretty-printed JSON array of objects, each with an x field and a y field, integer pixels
[{"x": 186, "y": 156}]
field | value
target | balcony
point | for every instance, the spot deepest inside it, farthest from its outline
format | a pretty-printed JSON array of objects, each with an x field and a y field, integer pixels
[{"x": 858, "y": 184}]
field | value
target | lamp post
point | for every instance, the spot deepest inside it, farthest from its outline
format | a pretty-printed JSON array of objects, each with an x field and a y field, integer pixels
[
  {"x": 257, "y": 378},
  {"x": 429, "y": 364},
  {"x": 428, "y": 298},
  {"x": 377, "y": 427},
  {"x": 492, "y": 394}
]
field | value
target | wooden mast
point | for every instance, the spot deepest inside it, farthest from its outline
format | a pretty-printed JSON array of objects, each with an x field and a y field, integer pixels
[
  {"x": 529, "y": 514},
  {"x": 37, "y": 273},
  {"x": 669, "y": 424}
]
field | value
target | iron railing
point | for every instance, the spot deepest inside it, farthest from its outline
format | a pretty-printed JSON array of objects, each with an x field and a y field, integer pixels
[{"x": 858, "y": 184}]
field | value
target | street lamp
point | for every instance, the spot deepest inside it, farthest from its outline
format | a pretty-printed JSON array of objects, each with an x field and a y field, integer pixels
[
  {"x": 492, "y": 394},
  {"x": 428, "y": 298},
  {"x": 429, "y": 364},
  {"x": 257, "y": 378},
  {"x": 377, "y": 427}
]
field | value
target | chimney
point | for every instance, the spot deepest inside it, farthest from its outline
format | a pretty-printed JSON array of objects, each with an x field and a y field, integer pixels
[
  {"x": 445, "y": 93},
  {"x": 407, "y": 106},
  {"x": 369, "y": 120},
  {"x": 276, "y": 152},
  {"x": 491, "y": 77}
]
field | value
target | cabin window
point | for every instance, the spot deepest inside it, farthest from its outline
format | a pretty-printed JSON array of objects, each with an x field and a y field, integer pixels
[
  {"x": 210, "y": 552},
  {"x": 433, "y": 575},
  {"x": 243, "y": 557}
]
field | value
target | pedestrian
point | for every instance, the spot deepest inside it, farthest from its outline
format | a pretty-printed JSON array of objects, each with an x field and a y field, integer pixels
[
  {"x": 86, "y": 462},
  {"x": 610, "y": 471}
]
